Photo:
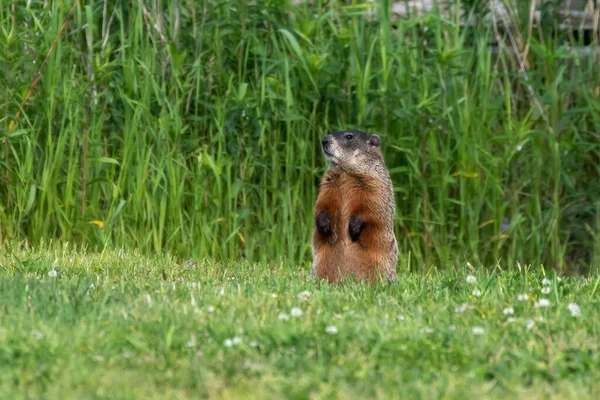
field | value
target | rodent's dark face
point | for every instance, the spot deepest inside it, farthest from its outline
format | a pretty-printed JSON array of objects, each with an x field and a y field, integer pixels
[{"x": 351, "y": 150}]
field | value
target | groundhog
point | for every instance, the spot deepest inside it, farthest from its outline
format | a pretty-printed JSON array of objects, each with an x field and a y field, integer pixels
[{"x": 354, "y": 212}]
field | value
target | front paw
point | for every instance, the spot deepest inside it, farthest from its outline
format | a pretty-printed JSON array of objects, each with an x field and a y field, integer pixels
[
  {"x": 324, "y": 223},
  {"x": 355, "y": 227}
]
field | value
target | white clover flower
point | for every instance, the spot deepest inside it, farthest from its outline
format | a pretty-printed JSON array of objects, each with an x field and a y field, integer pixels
[
  {"x": 476, "y": 292},
  {"x": 400, "y": 317},
  {"x": 253, "y": 343},
  {"x": 274, "y": 295},
  {"x": 427, "y": 329},
  {"x": 471, "y": 278},
  {"x": 283, "y": 316},
  {"x": 451, "y": 328},
  {"x": 508, "y": 311},
  {"x": 191, "y": 342},
  {"x": 546, "y": 282},
  {"x": 237, "y": 340},
  {"x": 52, "y": 273},
  {"x": 519, "y": 147},
  {"x": 210, "y": 309},
  {"x": 574, "y": 309},
  {"x": 477, "y": 330},
  {"x": 332, "y": 330},
  {"x": 303, "y": 296},
  {"x": 530, "y": 324},
  {"x": 38, "y": 335},
  {"x": 542, "y": 303},
  {"x": 462, "y": 308},
  {"x": 222, "y": 292},
  {"x": 228, "y": 343},
  {"x": 522, "y": 297},
  {"x": 98, "y": 358},
  {"x": 545, "y": 290},
  {"x": 296, "y": 312},
  {"x": 510, "y": 319}
]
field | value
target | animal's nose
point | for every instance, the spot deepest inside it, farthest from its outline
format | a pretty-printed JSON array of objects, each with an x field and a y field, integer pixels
[{"x": 325, "y": 139}]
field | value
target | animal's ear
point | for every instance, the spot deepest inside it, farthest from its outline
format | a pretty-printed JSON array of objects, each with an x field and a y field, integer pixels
[{"x": 374, "y": 140}]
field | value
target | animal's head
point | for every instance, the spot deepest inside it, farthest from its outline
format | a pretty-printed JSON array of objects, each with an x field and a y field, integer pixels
[{"x": 352, "y": 151}]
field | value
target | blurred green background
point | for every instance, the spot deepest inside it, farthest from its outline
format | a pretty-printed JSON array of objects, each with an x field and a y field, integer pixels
[{"x": 193, "y": 127}]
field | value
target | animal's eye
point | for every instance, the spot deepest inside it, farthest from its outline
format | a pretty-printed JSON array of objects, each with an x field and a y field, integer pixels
[{"x": 349, "y": 136}]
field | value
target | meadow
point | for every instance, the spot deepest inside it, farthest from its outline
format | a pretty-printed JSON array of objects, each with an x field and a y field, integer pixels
[
  {"x": 124, "y": 325},
  {"x": 157, "y": 186}
]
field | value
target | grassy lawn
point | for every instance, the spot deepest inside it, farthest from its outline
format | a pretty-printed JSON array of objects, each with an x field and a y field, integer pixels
[
  {"x": 124, "y": 325},
  {"x": 182, "y": 127}
]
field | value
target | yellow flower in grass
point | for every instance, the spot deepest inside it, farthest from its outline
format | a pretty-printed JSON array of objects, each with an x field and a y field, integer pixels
[{"x": 97, "y": 222}]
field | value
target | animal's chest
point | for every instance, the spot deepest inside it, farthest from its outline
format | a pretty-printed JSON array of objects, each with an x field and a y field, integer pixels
[
  {"x": 351, "y": 196},
  {"x": 353, "y": 193}
]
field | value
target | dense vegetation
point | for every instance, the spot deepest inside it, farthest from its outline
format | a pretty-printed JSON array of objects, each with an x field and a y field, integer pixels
[
  {"x": 121, "y": 325},
  {"x": 193, "y": 127}
]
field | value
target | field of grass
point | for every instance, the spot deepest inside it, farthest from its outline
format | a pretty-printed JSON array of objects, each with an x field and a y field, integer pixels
[
  {"x": 78, "y": 325},
  {"x": 193, "y": 127},
  {"x": 177, "y": 142}
]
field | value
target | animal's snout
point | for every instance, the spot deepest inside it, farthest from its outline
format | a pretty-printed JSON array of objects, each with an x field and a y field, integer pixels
[{"x": 326, "y": 144}]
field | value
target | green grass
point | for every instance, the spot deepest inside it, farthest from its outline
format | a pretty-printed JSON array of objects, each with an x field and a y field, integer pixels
[
  {"x": 125, "y": 325},
  {"x": 190, "y": 130},
  {"x": 194, "y": 128}
]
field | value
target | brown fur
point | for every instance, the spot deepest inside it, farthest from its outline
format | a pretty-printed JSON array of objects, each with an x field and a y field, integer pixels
[{"x": 364, "y": 192}]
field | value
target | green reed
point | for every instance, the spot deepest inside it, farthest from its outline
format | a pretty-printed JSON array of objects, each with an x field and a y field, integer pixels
[{"x": 193, "y": 128}]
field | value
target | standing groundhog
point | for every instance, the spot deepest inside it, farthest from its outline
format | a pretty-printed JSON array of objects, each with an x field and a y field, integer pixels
[{"x": 354, "y": 213}]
